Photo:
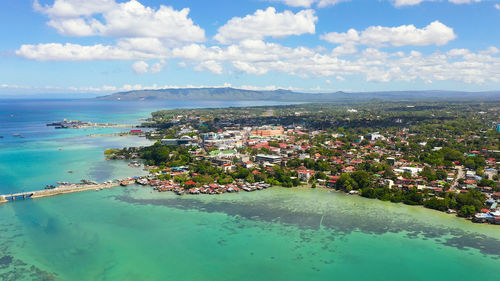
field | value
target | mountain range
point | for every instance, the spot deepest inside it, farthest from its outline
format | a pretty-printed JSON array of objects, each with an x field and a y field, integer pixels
[{"x": 291, "y": 96}]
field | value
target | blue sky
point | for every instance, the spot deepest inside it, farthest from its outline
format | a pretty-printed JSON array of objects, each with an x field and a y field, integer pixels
[{"x": 88, "y": 47}]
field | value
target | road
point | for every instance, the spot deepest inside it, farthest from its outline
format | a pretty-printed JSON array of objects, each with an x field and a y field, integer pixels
[{"x": 460, "y": 175}]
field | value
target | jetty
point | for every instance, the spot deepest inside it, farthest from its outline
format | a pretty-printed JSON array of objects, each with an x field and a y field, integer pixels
[
  {"x": 63, "y": 189},
  {"x": 76, "y": 124}
]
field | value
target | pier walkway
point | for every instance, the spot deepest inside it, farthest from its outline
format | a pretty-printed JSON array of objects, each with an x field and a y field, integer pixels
[{"x": 55, "y": 191}]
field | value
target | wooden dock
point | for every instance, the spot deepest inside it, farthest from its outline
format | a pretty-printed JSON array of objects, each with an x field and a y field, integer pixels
[{"x": 55, "y": 191}]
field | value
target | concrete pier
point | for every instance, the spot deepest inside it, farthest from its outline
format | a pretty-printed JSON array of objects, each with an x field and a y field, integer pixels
[{"x": 58, "y": 190}]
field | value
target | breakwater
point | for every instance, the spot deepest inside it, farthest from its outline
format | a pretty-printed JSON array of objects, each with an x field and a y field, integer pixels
[{"x": 55, "y": 191}]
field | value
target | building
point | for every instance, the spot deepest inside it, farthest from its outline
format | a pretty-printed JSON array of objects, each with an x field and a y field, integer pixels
[
  {"x": 231, "y": 153},
  {"x": 376, "y": 136},
  {"x": 174, "y": 142},
  {"x": 267, "y": 158},
  {"x": 490, "y": 173},
  {"x": 268, "y": 131},
  {"x": 305, "y": 175},
  {"x": 391, "y": 161},
  {"x": 411, "y": 170},
  {"x": 332, "y": 182}
]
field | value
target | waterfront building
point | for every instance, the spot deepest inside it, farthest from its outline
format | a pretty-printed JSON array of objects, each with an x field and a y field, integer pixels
[{"x": 305, "y": 175}]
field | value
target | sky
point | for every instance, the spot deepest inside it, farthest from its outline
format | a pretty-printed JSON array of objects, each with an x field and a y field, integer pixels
[{"x": 90, "y": 47}]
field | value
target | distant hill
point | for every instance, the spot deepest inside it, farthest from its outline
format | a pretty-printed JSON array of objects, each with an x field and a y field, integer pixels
[{"x": 285, "y": 95}]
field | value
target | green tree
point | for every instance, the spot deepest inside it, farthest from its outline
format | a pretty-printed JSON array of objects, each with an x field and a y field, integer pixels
[{"x": 467, "y": 211}]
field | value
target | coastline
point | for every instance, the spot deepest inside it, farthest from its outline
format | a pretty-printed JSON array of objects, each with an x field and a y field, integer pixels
[{"x": 74, "y": 188}]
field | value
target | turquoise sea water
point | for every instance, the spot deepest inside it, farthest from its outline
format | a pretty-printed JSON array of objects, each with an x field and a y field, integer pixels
[
  {"x": 277, "y": 234},
  {"x": 45, "y": 155}
]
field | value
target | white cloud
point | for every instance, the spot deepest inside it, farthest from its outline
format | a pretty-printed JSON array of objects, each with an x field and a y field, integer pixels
[
  {"x": 249, "y": 68},
  {"x": 346, "y": 49},
  {"x": 143, "y": 44},
  {"x": 397, "y": 3},
  {"x": 140, "y": 67},
  {"x": 340, "y": 78},
  {"x": 127, "y": 19},
  {"x": 309, "y": 3},
  {"x": 464, "y": 1},
  {"x": 490, "y": 51},
  {"x": 157, "y": 67},
  {"x": 324, "y": 3},
  {"x": 351, "y": 36},
  {"x": 264, "y": 23},
  {"x": 297, "y": 3},
  {"x": 435, "y": 33},
  {"x": 76, "y": 52},
  {"x": 457, "y": 52},
  {"x": 75, "y": 8},
  {"x": 211, "y": 66},
  {"x": 497, "y": 6},
  {"x": 266, "y": 88},
  {"x": 131, "y": 87},
  {"x": 400, "y": 3},
  {"x": 74, "y": 26},
  {"x": 256, "y": 57}
]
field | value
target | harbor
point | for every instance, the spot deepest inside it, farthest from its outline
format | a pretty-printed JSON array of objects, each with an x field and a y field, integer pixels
[{"x": 76, "y": 124}]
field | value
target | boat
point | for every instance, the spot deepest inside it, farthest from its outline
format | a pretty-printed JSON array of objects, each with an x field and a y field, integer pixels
[
  {"x": 134, "y": 164},
  {"x": 16, "y": 135},
  {"x": 70, "y": 171},
  {"x": 49, "y": 186}
]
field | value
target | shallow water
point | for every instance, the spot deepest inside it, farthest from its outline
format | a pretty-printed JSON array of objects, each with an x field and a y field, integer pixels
[{"x": 277, "y": 234}]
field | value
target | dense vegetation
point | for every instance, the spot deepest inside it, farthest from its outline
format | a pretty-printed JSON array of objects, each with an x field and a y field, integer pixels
[{"x": 436, "y": 136}]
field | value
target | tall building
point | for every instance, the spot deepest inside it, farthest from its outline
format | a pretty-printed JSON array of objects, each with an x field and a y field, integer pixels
[{"x": 269, "y": 131}]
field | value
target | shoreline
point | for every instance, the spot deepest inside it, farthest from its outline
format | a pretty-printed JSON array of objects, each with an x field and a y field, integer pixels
[{"x": 74, "y": 188}]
